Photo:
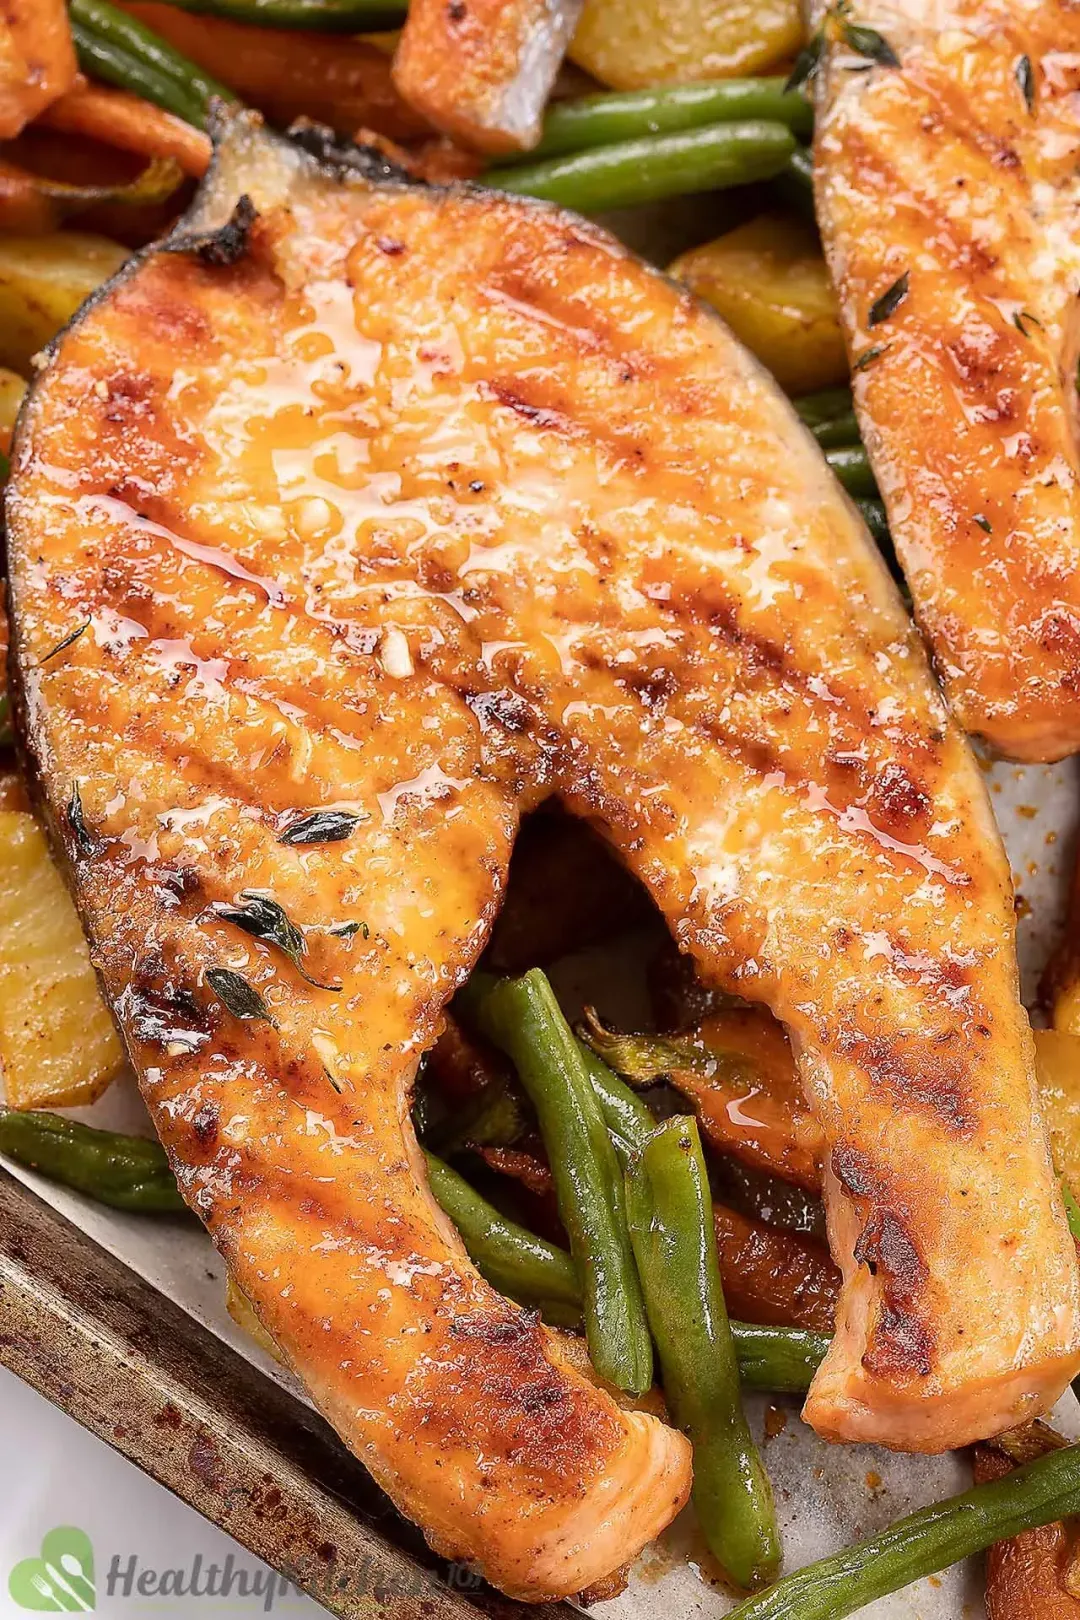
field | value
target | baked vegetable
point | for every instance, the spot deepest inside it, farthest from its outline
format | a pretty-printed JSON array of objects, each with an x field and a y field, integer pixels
[{"x": 58, "y": 1048}]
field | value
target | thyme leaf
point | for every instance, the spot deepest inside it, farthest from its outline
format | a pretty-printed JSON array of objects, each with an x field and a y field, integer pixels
[
  {"x": 7, "y": 736},
  {"x": 69, "y": 640},
  {"x": 1025, "y": 78},
  {"x": 868, "y": 357},
  {"x": 85, "y": 842},
  {"x": 346, "y": 930},
  {"x": 868, "y": 42},
  {"x": 241, "y": 998},
  {"x": 265, "y": 920},
  {"x": 890, "y": 300},
  {"x": 983, "y": 522},
  {"x": 807, "y": 62},
  {"x": 320, "y": 827},
  {"x": 1023, "y": 319}
]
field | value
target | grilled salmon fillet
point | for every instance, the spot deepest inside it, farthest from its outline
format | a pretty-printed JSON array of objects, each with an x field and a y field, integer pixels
[
  {"x": 948, "y": 192},
  {"x": 482, "y": 71},
  {"x": 414, "y": 507}
]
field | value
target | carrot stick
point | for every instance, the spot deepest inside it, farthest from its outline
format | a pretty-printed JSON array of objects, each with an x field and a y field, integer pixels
[
  {"x": 124, "y": 120},
  {"x": 287, "y": 74}
]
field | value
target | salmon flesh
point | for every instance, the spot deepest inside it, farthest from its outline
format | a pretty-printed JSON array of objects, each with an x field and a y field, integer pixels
[{"x": 408, "y": 508}]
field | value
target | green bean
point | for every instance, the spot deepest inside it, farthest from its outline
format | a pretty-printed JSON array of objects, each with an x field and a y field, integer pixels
[
  {"x": 512, "y": 1259},
  {"x": 875, "y": 518},
  {"x": 825, "y": 406},
  {"x": 851, "y": 465},
  {"x": 323, "y": 16},
  {"x": 124, "y": 52},
  {"x": 830, "y": 416},
  {"x": 523, "y": 1018},
  {"x": 781, "y": 1359},
  {"x": 127, "y": 1172},
  {"x": 925, "y": 1542},
  {"x": 627, "y": 115},
  {"x": 671, "y": 1225},
  {"x": 794, "y": 184},
  {"x": 628, "y": 1119},
  {"x": 653, "y": 168}
]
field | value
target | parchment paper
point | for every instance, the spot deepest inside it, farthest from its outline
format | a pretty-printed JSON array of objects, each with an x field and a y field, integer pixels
[{"x": 827, "y": 1496}]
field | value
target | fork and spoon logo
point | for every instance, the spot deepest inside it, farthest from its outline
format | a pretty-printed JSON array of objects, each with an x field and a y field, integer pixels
[{"x": 61, "y": 1579}]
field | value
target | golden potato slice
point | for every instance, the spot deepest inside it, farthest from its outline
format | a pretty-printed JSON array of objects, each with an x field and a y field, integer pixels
[
  {"x": 242, "y": 1312},
  {"x": 769, "y": 282},
  {"x": 672, "y": 41},
  {"x": 43, "y": 280},
  {"x": 58, "y": 1047},
  {"x": 12, "y": 389},
  {"x": 1058, "y": 1069}
]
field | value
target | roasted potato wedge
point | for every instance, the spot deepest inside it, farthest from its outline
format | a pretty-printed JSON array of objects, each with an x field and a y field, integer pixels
[
  {"x": 12, "y": 389},
  {"x": 768, "y": 280},
  {"x": 672, "y": 41},
  {"x": 58, "y": 1048},
  {"x": 1058, "y": 1070},
  {"x": 43, "y": 280}
]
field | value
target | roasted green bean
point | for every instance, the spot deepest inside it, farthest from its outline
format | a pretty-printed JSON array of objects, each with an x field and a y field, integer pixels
[
  {"x": 127, "y": 1172},
  {"x": 513, "y": 1260},
  {"x": 924, "y": 1543},
  {"x": 851, "y": 465},
  {"x": 323, "y": 16},
  {"x": 627, "y": 115},
  {"x": 523, "y": 1018},
  {"x": 671, "y": 1225},
  {"x": 124, "y": 52},
  {"x": 653, "y": 168}
]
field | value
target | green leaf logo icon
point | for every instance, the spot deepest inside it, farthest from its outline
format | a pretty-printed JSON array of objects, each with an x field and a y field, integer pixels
[{"x": 61, "y": 1580}]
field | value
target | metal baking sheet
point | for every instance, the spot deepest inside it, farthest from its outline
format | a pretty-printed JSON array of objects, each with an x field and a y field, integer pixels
[{"x": 827, "y": 1495}]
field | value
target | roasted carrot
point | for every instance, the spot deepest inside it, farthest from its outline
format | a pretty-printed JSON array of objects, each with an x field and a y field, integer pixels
[
  {"x": 124, "y": 120},
  {"x": 287, "y": 74},
  {"x": 1035, "y": 1575},
  {"x": 37, "y": 60},
  {"x": 482, "y": 72},
  {"x": 774, "y": 1277},
  {"x": 738, "y": 1068}
]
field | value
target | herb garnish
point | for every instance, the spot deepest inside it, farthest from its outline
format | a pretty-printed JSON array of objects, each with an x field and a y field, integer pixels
[
  {"x": 1022, "y": 316},
  {"x": 241, "y": 998},
  {"x": 890, "y": 300},
  {"x": 868, "y": 357},
  {"x": 868, "y": 42},
  {"x": 321, "y": 827},
  {"x": 1025, "y": 78},
  {"x": 264, "y": 919},
  {"x": 7, "y": 736},
  {"x": 69, "y": 639},
  {"x": 85, "y": 842},
  {"x": 807, "y": 62},
  {"x": 346, "y": 930},
  {"x": 983, "y": 522}
]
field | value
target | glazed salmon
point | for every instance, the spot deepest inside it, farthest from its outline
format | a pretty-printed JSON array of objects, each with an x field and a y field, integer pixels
[
  {"x": 406, "y": 509},
  {"x": 481, "y": 70},
  {"x": 948, "y": 192}
]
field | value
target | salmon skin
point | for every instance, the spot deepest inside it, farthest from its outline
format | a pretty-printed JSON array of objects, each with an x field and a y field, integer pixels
[
  {"x": 420, "y": 506},
  {"x": 948, "y": 192}
]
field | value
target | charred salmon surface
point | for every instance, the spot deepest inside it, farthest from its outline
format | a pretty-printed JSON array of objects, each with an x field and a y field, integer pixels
[
  {"x": 421, "y": 506},
  {"x": 948, "y": 194}
]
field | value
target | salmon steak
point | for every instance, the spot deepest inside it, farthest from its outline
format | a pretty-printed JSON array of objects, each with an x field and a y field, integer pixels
[
  {"x": 347, "y": 527},
  {"x": 947, "y": 178}
]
